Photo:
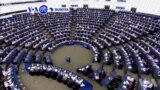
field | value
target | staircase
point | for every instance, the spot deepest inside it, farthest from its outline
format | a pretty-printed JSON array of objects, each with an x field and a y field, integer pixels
[
  {"x": 44, "y": 28},
  {"x": 101, "y": 28},
  {"x": 73, "y": 25}
]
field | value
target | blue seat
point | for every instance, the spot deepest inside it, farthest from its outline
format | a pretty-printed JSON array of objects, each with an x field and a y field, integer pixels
[
  {"x": 48, "y": 59},
  {"x": 71, "y": 42},
  {"x": 38, "y": 58},
  {"x": 109, "y": 78},
  {"x": 98, "y": 71},
  {"x": 19, "y": 57},
  {"x": 86, "y": 46},
  {"x": 1, "y": 69},
  {"x": 29, "y": 57},
  {"x": 10, "y": 56}
]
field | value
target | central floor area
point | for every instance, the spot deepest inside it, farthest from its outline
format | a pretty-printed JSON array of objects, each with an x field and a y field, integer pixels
[{"x": 79, "y": 55}]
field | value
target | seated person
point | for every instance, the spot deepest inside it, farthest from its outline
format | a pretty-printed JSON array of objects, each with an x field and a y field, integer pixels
[
  {"x": 146, "y": 85},
  {"x": 115, "y": 82},
  {"x": 98, "y": 75},
  {"x": 85, "y": 70},
  {"x": 60, "y": 73},
  {"x": 54, "y": 73}
]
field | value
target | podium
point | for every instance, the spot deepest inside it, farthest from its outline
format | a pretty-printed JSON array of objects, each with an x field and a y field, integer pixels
[{"x": 68, "y": 59}]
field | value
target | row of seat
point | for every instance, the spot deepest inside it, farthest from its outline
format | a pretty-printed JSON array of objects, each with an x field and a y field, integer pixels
[
  {"x": 16, "y": 56},
  {"x": 61, "y": 75},
  {"x": 114, "y": 81},
  {"x": 111, "y": 81},
  {"x": 58, "y": 25},
  {"x": 85, "y": 43},
  {"x": 139, "y": 56},
  {"x": 126, "y": 27},
  {"x": 128, "y": 83},
  {"x": 24, "y": 30},
  {"x": 38, "y": 58},
  {"x": 149, "y": 84},
  {"x": 88, "y": 22}
]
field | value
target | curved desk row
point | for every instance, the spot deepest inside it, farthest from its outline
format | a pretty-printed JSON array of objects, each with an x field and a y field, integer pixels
[
  {"x": 61, "y": 74},
  {"x": 37, "y": 58},
  {"x": 10, "y": 56},
  {"x": 85, "y": 44}
]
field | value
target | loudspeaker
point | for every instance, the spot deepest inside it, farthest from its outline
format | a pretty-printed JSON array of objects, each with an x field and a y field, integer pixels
[
  {"x": 63, "y": 5},
  {"x": 107, "y": 7},
  {"x": 133, "y": 9},
  {"x": 85, "y": 6}
]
